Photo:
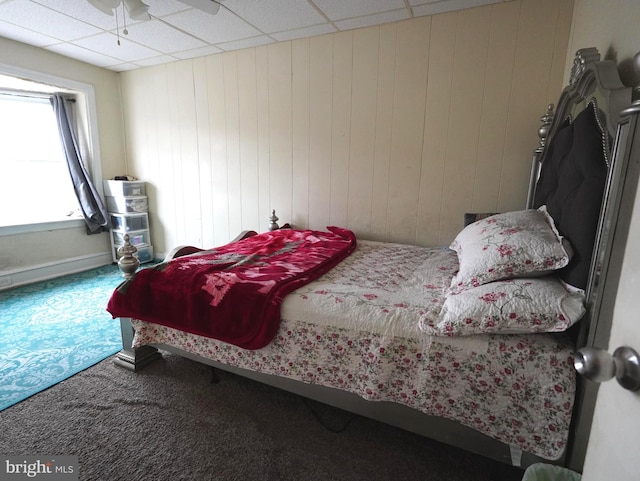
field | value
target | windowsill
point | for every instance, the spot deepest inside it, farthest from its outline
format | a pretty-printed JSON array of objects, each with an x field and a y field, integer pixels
[{"x": 68, "y": 223}]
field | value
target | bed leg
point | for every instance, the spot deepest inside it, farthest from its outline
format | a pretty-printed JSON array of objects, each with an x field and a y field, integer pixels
[
  {"x": 516, "y": 456},
  {"x": 214, "y": 376},
  {"x": 130, "y": 358}
]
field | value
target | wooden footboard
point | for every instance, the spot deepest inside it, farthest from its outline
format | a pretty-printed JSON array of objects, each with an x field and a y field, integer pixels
[{"x": 135, "y": 359}]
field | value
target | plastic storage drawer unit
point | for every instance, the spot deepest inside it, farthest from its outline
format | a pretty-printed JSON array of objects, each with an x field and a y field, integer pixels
[{"x": 124, "y": 188}]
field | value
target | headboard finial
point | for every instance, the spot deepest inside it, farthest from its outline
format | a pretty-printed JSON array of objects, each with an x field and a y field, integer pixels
[
  {"x": 583, "y": 57},
  {"x": 543, "y": 131}
]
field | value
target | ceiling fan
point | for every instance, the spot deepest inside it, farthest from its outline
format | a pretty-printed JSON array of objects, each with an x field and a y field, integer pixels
[{"x": 138, "y": 10}]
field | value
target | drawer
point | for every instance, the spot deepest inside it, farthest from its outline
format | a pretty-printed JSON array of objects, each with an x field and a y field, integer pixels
[
  {"x": 124, "y": 188},
  {"x": 125, "y": 205},
  {"x": 129, "y": 222},
  {"x": 136, "y": 237}
]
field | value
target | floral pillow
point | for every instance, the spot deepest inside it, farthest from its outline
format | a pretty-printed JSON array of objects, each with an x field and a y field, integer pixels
[
  {"x": 514, "y": 306},
  {"x": 514, "y": 244}
]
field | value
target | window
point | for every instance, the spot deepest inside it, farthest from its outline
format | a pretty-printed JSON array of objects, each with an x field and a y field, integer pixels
[
  {"x": 35, "y": 185},
  {"x": 35, "y": 88}
]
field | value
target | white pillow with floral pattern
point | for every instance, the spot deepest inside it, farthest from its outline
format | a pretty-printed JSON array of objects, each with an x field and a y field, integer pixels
[
  {"x": 514, "y": 306},
  {"x": 523, "y": 243}
]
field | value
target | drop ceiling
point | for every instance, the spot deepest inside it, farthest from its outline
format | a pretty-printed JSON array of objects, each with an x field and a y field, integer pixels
[{"x": 177, "y": 30}]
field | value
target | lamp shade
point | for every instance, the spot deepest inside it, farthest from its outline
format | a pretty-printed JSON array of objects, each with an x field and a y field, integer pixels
[{"x": 105, "y": 6}]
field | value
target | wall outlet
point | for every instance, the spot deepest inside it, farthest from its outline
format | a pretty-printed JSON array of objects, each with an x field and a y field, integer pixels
[{"x": 5, "y": 281}]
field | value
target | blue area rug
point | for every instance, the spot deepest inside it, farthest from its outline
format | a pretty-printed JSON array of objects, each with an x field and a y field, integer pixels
[{"x": 53, "y": 329}]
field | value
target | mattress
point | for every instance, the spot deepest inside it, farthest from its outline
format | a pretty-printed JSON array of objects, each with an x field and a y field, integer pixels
[{"x": 357, "y": 328}]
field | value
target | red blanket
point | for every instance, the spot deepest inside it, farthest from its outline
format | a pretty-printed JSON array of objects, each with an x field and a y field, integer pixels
[{"x": 234, "y": 292}]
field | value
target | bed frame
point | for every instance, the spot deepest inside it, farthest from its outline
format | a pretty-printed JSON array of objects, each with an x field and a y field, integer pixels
[{"x": 590, "y": 78}]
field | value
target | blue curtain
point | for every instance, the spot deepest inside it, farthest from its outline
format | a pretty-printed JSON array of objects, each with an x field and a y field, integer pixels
[{"x": 93, "y": 210}]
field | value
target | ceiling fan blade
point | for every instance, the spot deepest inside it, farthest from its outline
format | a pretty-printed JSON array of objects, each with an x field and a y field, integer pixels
[
  {"x": 137, "y": 9},
  {"x": 209, "y": 6},
  {"x": 105, "y": 6}
]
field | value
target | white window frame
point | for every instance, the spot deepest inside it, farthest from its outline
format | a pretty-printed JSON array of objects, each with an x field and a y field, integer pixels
[{"x": 86, "y": 109}]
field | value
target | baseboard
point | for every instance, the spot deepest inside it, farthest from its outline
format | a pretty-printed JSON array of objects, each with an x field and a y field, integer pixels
[{"x": 50, "y": 270}]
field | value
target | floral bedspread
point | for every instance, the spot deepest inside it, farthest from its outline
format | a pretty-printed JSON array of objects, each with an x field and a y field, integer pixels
[{"x": 356, "y": 328}]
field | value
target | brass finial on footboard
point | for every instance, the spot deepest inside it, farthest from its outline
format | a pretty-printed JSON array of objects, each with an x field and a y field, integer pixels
[
  {"x": 128, "y": 263},
  {"x": 273, "y": 221}
]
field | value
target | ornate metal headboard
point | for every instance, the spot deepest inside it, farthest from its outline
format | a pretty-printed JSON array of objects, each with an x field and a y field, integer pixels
[
  {"x": 593, "y": 80},
  {"x": 598, "y": 83},
  {"x": 590, "y": 78}
]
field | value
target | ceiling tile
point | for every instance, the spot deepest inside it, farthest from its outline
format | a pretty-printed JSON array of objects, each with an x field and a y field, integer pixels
[
  {"x": 21, "y": 34},
  {"x": 381, "y": 18},
  {"x": 163, "y": 37},
  {"x": 79, "y": 53},
  {"x": 341, "y": 9},
  {"x": 44, "y": 20},
  {"x": 449, "y": 6},
  {"x": 304, "y": 32},
  {"x": 181, "y": 29},
  {"x": 197, "y": 52},
  {"x": 107, "y": 44},
  {"x": 223, "y": 27},
  {"x": 246, "y": 43},
  {"x": 278, "y": 16},
  {"x": 148, "y": 62},
  {"x": 82, "y": 11}
]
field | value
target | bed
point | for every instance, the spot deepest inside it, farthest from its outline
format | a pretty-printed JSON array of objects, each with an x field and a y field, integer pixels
[{"x": 470, "y": 344}]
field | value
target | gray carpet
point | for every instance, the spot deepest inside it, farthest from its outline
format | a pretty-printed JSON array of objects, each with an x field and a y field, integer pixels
[{"x": 168, "y": 422}]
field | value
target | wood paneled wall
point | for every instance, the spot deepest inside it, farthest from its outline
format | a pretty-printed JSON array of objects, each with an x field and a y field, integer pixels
[{"x": 393, "y": 131}]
